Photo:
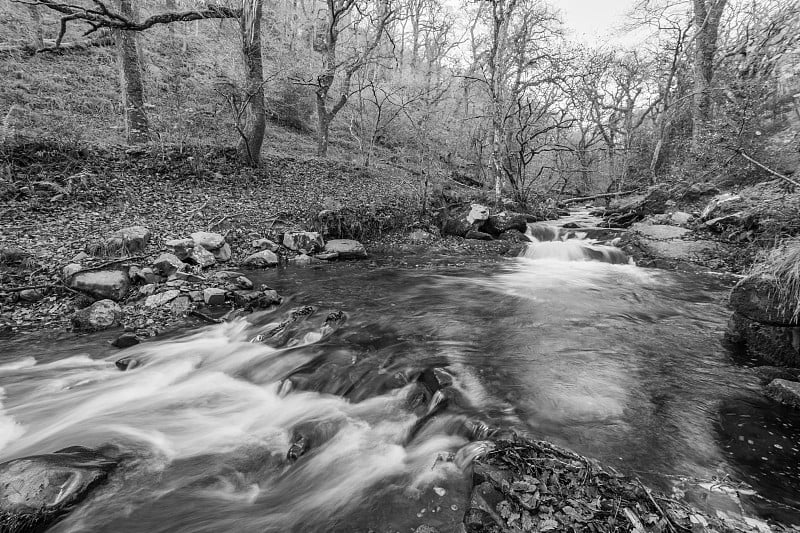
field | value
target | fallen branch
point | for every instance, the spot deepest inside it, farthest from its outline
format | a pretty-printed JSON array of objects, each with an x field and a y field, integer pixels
[
  {"x": 223, "y": 219},
  {"x": 765, "y": 167}
]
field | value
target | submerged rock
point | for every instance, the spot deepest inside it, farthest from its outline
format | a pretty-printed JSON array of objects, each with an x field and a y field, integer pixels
[
  {"x": 37, "y": 491},
  {"x": 101, "y": 315},
  {"x": 102, "y": 284},
  {"x": 126, "y": 340}
]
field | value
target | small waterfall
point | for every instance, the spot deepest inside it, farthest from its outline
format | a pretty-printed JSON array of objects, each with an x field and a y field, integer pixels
[{"x": 554, "y": 243}]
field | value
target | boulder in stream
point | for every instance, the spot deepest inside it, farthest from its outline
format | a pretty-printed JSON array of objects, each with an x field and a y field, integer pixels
[
  {"x": 262, "y": 259},
  {"x": 346, "y": 249},
  {"x": 37, "y": 491}
]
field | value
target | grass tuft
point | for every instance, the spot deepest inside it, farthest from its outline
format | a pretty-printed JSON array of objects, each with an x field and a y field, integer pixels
[{"x": 782, "y": 265}]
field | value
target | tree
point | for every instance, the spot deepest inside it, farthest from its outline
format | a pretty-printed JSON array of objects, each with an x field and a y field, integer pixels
[
  {"x": 707, "y": 17},
  {"x": 124, "y": 21},
  {"x": 136, "y": 125},
  {"x": 337, "y": 14}
]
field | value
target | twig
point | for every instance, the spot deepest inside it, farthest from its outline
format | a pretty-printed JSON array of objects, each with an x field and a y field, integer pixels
[
  {"x": 765, "y": 167},
  {"x": 658, "y": 507},
  {"x": 194, "y": 211},
  {"x": 223, "y": 219}
]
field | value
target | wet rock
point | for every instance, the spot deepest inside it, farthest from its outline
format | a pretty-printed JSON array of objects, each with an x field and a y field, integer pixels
[
  {"x": 223, "y": 253},
  {"x": 261, "y": 259},
  {"x": 346, "y": 248},
  {"x": 481, "y": 515},
  {"x": 772, "y": 344},
  {"x": 126, "y": 340},
  {"x": 208, "y": 240},
  {"x": 426, "y": 529},
  {"x": 300, "y": 445},
  {"x": 659, "y": 231},
  {"x": 126, "y": 363},
  {"x": 31, "y": 295},
  {"x": 303, "y": 241},
  {"x": 38, "y": 490},
  {"x": 133, "y": 239},
  {"x": 167, "y": 264},
  {"x": 786, "y": 392},
  {"x": 223, "y": 275},
  {"x": 243, "y": 282},
  {"x": 256, "y": 299},
  {"x": 571, "y": 225},
  {"x": 636, "y": 207},
  {"x": 162, "y": 298},
  {"x": 759, "y": 299},
  {"x": 265, "y": 244},
  {"x": 101, "y": 284},
  {"x": 101, "y": 315},
  {"x": 720, "y": 224},
  {"x": 214, "y": 296},
  {"x": 502, "y": 222},
  {"x": 327, "y": 256},
  {"x": 181, "y": 248}
]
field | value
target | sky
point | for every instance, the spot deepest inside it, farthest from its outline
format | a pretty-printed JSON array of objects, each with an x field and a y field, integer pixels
[{"x": 593, "y": 19}]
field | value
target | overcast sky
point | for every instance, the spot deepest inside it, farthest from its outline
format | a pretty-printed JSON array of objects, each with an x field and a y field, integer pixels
[{"x": 593, "y": 18}]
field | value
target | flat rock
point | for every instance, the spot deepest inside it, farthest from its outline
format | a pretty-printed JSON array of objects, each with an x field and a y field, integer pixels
[
  {"x": 102, "y": 314},
  {"x": 303, "y": 241},
  {"x": 681, "y": 218},
  {"x": 243, "y": 282},
  {"x": 132, "y": 239},
  {"x": 208, "y": 240},
  {"x": 167, "y": 264},
  {"x": 659, "y": 231},
  {"x": 101, "y": 284},
  {"x": 786, "y": 392},
  {"x": 346, "y": 248},
  {"x": 256, "y": 299},
  {"x": 162, "y": 298},
  {"x": 36, "y": 491},
  {"x": 261, "y": 259}
]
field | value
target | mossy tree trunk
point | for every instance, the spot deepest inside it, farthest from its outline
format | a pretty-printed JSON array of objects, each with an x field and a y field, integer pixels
[
  {"x": 136, "y": 124},
  {"x": 255, "y": 119}
]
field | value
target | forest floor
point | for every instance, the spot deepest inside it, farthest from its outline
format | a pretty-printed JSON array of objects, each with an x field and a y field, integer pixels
[{"x": 59, "y": 202}]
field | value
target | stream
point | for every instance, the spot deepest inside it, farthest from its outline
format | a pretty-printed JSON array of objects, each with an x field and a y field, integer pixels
[{"x": 569, "y": 343}]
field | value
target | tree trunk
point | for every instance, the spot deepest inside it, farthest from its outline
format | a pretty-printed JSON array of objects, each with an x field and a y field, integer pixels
[
  {"x": 707, "y": 15},
  {"x": 323, "y": 125},
  {"x": 37, "y": 40},
  {"x": 249, "y": 148},
  {"x": 136, "y": 126}
]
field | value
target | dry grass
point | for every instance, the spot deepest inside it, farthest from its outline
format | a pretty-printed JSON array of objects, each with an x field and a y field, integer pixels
[{"x": 782, "y": 264}]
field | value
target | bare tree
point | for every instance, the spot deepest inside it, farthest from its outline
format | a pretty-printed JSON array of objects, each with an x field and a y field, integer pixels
[
  {"x": 707, "y": 17},
  {"x": 136, "y": 124},
  {"x": 99, "y": 15},
  {"x": 337, "y": 14}
]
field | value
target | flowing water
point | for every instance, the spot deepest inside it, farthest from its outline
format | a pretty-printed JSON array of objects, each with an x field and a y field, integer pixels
[{"x": 569, "y": 343}]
